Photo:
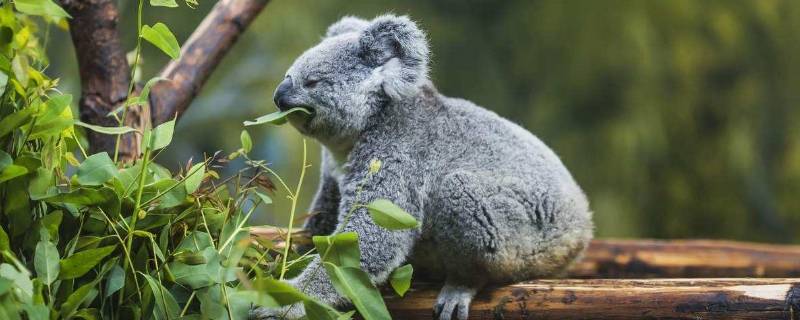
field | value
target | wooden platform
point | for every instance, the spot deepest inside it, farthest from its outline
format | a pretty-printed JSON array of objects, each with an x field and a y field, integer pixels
[{"x": 636, "y": 279}]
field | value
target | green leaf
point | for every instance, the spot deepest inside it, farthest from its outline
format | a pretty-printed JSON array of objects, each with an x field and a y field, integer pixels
[
  {"x": 317, "y": 310},
  {"x": 12, "y": 171},
  {"x": 247, "y": 143},
  {"x": 388, "y": 215},
  {"x": 45, "y": 261},
  {"x": 76, "y": 299},
  {"x": 78, "y": 264},
  {"x": 166, "y": 305},
  {"x": 115, "y": 281},
  {"x": 276, "y": 118},
  {"x": 144, "y": 96},
  {"x": 339, "y": 249},
  {"x": 5, "y": 160},
  {"x": 265, "y": 199},
  {"x": 160, "y": 136},
  {"x": 5, "y": 243},
  {"x": 283, "y": 293},
  {"x": 160, "y": 36},
  {"x": 356, "y": 285},
  {"x": 40, "y": 8},
  {"x": 164, "y": 3},
  {"x": 42, "y": 185},
  {"x": 195, "y": 177},
  {"x": 105, "y": 130},
  {"x": 401, "y": 279},
  {"x": 84, "y": 197},
  {"x": 15, "y": 120},
  {"x": 21, "y": 278},
  {"x": 258, "y": 298},
  {"x": 96, "y": 170}
]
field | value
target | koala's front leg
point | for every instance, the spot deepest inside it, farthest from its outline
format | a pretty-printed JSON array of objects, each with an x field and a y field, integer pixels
[{"x": 382, "y": 250}]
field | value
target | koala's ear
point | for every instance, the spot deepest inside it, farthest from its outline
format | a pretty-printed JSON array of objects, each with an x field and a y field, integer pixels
[
  {"x": 345, "y": 25},
  {"x": 399, "y": 49}
]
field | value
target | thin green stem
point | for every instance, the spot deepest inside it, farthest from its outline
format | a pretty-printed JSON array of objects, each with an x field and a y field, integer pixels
[
  {"x": 133, "y": 73},
  {"x": 135, "y": 214},
  {"x": 294, "y": 207}
]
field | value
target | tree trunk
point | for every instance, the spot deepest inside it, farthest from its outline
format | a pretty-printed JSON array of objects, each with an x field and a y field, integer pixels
[{"x": 104, "y": 73}]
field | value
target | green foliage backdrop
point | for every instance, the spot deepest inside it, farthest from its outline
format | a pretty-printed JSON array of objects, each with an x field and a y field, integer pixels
[{"x": 679, "y": 118}]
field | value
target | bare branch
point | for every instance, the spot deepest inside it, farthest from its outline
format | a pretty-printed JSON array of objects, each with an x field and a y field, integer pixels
[{"x": 200, "y": 55}]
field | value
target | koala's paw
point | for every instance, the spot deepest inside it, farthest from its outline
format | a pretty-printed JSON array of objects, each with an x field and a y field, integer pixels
[
  {"x": 295, "y": 311},
  {"x": 453, "y": 299}
]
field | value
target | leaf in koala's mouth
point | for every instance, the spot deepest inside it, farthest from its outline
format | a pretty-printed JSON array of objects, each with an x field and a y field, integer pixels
[{"x": 276, "y": 118}]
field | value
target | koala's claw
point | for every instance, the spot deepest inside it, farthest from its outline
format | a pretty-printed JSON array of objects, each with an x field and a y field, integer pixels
[{"x": 453, "y": 300}]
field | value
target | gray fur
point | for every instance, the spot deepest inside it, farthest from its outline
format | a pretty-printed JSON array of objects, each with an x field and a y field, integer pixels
[{"x": 496, "y": 204}]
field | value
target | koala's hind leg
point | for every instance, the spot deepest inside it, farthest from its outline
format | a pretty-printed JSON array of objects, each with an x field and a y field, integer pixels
[{"x": 454, "y": 299}]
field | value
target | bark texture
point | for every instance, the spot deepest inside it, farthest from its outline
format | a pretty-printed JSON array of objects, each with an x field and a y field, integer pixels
[
  {"x": 619, "y": 299},
  {"x": 104, "y": 73},
  {"x": 200, "y": 55}
]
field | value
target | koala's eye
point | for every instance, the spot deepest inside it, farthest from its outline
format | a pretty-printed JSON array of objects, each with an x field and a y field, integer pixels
[{"x": 310, "y": 83}]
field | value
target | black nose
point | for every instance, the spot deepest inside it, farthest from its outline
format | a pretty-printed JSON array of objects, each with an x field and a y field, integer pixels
[{"x": 280, "y": 93}]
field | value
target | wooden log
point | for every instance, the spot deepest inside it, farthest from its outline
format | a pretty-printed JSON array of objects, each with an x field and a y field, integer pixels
[
  {"x": 607, "y": 258},
  {"x": 619, "y": 299},
  {"x": 686, "y": 259}
]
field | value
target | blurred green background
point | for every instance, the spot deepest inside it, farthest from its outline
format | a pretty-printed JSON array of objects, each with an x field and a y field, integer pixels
[{"x": 678, "y": 118}]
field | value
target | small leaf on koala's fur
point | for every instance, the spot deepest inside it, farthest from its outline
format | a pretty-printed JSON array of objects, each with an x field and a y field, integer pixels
[{"x": 388, "y": 215}]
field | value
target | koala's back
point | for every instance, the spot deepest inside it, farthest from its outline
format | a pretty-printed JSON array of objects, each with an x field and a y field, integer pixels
[{"x": 496, "y": 194}]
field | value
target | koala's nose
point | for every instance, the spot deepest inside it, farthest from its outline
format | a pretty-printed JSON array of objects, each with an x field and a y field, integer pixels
[{"x": 280, "y": 93}]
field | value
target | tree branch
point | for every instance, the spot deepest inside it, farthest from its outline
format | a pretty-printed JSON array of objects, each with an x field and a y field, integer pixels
[
  {"x": 200, "y": 55},
  {"x": 104, "y": 72},
  {"x": 643, "y": 258},
  {"x": 618, "y": 299}
]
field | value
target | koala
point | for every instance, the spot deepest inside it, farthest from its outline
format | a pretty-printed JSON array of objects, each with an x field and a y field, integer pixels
[{"x": 495, "y": 204}]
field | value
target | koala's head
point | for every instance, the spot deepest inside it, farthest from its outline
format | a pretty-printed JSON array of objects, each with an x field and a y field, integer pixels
[{"x": 352, "y": 73}]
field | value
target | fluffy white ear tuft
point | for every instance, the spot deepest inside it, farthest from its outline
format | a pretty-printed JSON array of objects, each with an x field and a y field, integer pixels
[
  {"x": 399, "y": 50},
  {"x": 345, "y": 25}
]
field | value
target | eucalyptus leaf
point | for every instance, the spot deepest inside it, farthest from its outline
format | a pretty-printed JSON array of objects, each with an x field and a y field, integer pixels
[
  {"x": 276, "y": 118},
  {"x": 339, "y": 249},
  {"x": 265, "y": 199},
  {"x": 45, "y": 261},
  {"x": 400, "y": 279},
  {"x": 115, "y": 281},
  {"x": 75, "y": 299},
  {"x": 5, "y": 160},
  {"x": 46, "y": 8},
  {"x": 355, "y": 284},
  {"x": 164, "y": 3},
  {"x": 79, "y": 263},
  {"x": 160, "y": 136},
  {"x": 161, "y": 37},
  {"x": 12, "y": 171},
  {"x": 42, "y": 185},
  {"x": 105, "y": 130},
  {"x": 166, "y": 305},
  {"x": 195, "y": 177},
  {"x": 247, "y": 142},
  {"x": 318, "y": 310},
  {"x": 388, "y": 215}
]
